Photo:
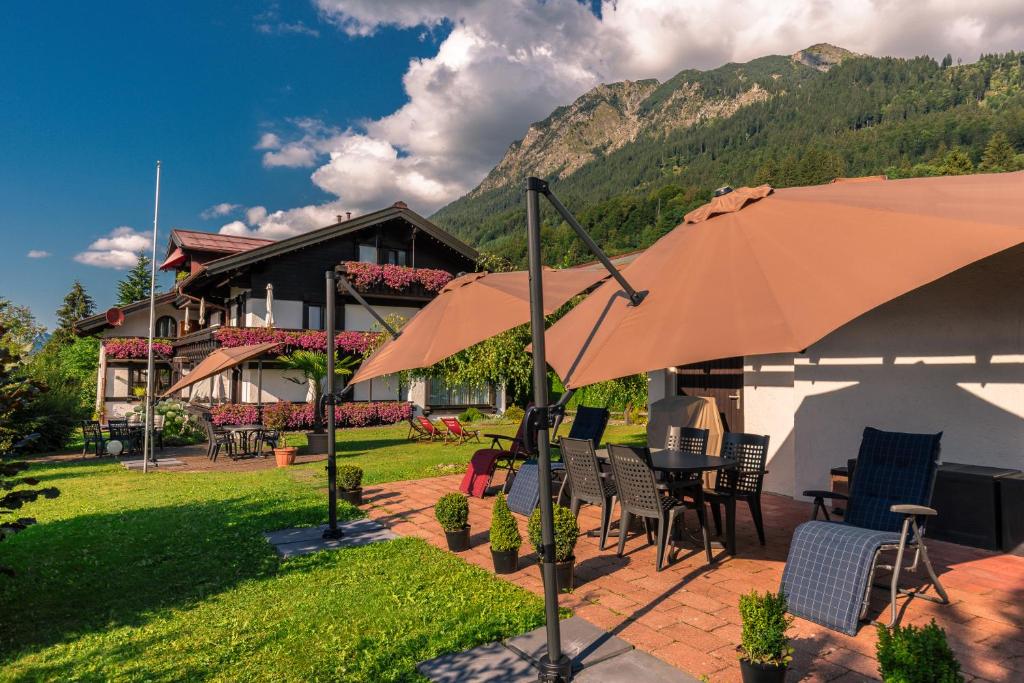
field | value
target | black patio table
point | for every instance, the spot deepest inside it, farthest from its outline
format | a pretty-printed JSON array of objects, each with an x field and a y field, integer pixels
[
  {"x": 245, "y": 435},
  {"x": 679, "y": 464}
]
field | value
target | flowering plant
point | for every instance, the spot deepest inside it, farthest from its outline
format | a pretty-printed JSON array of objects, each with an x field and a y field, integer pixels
[
  {"x": 346, "y": 341},
  {"x": 136, "y": 347},
  {"x": 365, "y": 275},
  {"x": 294, "y": 416}
]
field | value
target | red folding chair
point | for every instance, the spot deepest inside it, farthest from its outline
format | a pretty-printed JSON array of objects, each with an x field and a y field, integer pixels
[
  {"x": 430, "y": 429},
  {"x": 457, "y": 434}
]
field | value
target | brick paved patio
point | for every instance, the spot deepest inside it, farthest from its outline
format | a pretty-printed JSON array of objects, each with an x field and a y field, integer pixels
[{"x": 687, "y": 615}]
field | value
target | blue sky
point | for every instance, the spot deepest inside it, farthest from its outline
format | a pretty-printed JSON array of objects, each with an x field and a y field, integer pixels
[
  {"x": 89, "y": 102},
  {"x": 285, "y": 114}
]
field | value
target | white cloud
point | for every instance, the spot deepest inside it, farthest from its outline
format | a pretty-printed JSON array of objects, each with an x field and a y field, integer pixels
[
  {"x": 38, "y": 253},
  {"x": 281, "y": 224},
  {"x": 504, "y": 65},
  {"x": 120, "y": 249},
  {"x": 218, "y": 210},
  {"x": 269, "y": 22}
]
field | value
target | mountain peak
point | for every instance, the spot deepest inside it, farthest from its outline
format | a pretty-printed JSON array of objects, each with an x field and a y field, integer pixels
[{"x": 822, "y": 56}]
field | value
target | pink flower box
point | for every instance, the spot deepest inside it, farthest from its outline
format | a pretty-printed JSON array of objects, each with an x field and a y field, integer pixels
[
  {"x": 299, "y": 416},
  {"x": 366, "y": 275},
  {"x": 346, "y": 341},
  {"x": 136, "y": 347}
]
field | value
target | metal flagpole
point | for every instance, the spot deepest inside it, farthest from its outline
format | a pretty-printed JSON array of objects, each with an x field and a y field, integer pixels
[
  {"x": 554, "y": 666},
  {"x": 147, "y": 440},
  {"x": 332, "y": 530}
]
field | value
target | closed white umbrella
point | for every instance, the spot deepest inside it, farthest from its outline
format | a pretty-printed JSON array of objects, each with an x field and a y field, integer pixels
[
  {"x": 202, "y": 311},
  {"x": 270, "y": 305}
]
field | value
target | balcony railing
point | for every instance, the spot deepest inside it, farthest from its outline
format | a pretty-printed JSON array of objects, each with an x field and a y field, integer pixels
[
  {"x": 196, "y": 346},
  {"x": 395, "y": 281}
]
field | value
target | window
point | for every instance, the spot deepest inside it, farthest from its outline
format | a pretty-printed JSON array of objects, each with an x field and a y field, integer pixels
[
  {"x": 314, "y": 317},
  {"x": 394, "y": 257},
  {"x": 137, "y": 380},
  {"x": 166, "y": 327},
  {"x": 368, "y": 253},
  {"x": 459, "y": 395}
]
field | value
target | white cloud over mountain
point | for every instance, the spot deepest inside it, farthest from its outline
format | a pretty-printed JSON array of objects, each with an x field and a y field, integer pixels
[
  {"x": 38, "y": 253},
  {"x": 506, "y": 64},
  {"x": 120, "y": 249}
]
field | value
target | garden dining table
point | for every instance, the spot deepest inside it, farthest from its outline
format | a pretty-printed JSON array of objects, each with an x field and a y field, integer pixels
[
  {"x": 681, "y": 465},
  {"x": 247, "y": 437}
]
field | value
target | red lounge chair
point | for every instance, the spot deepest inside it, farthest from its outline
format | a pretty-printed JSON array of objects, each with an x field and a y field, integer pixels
[
  {"x": 431, "y": 430},
  {"x": 416, "y": 432},
  {"x": 457, "y": 433},
  {"x": 478, "y": 475}
]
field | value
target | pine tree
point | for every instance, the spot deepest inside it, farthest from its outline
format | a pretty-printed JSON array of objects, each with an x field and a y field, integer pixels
[
  {"x": 77, "y": 305},
  {"x": 135, "y": 285},
  {"x": 999, "y": 154},
  {"x": 947, "y": 61},
  {"x": 956, "y": 163}
]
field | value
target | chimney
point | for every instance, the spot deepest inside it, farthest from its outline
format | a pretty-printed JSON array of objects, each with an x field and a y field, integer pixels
[
  {"x": 339, "y": 218},
  {"x": 348, "y": 215},
  {"x": 400, "y": 205}
]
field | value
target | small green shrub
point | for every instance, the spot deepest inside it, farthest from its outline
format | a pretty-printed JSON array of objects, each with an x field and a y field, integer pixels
[
  {"x": 567, "y": 532},
  {"x": 514, "y": 414},
  {"x": 908, "y": 654},
  {"x": 452, "y": 511},
  {"x": 504, "y": 530},
  {"x": 471, "y": 415},
  {"x": 765, "y": 623},
  {"x": 350, "y": 477}
]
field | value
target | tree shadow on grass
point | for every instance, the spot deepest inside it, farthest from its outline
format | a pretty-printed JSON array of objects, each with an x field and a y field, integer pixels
[{"x": 99, "y": 571}]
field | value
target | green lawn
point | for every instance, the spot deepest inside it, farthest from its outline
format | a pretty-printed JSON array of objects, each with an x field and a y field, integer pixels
[{"x": 167, "y": 577}]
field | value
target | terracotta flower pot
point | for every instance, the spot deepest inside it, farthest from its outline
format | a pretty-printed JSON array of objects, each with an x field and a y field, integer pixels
[
  {"x": 353, "y": 496},
  {"x": 762, "y": 673},
  {"x": 505, "y": 561},
  {"x": 458, "y": 541},
  {"x": 285, "y": 456}
]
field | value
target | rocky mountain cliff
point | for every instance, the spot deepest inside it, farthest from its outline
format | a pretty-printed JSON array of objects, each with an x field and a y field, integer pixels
[{"x": 611, "y": 116}]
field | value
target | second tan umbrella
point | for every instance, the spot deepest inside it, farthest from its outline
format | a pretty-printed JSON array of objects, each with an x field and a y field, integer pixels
[{"x": 469, "y": 310}]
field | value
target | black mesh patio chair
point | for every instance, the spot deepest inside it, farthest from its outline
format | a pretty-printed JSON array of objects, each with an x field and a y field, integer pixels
[
  {"x": 92, "y": 437},
  {"x": 751, "y": 453},
  {"x": 686, "y": 440},
  {"x": 831, "y": 565},
  {"x": 588, "y": 424},
  {"x": 216, "y": 439},
  {"x": 639, "y": 495},
  {"x": 267, "y": 438},
  {"x": 587, "y": 483}
]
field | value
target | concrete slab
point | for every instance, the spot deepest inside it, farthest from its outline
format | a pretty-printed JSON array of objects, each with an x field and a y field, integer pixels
[
  {"x": 161, "y": 462},
  {"x": 306, "y": 540},
  {"x": 632, "y": 667},
  {"x": 584, "y": 643},
  {"x": 491, "y": 663}
]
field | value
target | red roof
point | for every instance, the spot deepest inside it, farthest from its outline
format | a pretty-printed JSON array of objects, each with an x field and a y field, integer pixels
[{"x": 215, "y": 242}]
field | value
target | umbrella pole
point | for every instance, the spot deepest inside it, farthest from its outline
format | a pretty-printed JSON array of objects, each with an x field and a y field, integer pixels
[
  {"x": 555, "y": 667},
  {"x": 332, "y": 530}
]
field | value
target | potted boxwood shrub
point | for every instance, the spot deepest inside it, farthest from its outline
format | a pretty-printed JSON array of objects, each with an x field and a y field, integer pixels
[
  {"x": 908, "y": 653},
  {"x": 567, "y": 532},
  {"x": 505, "y": 538},
  {"x": 764, "y": 645},
  {"x": 276, "y": 418},
  {"x": 452, "y": 511},
  {"x": 350, "y": 480}
]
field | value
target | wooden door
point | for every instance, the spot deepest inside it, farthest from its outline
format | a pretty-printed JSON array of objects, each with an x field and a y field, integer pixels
[{"x": 721, "y": 379}]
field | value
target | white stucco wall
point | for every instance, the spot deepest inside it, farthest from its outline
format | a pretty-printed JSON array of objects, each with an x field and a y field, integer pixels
[
  {"x": 358, "y": 318},
  {"x": 947, "y": 357},
  {"x": 136, "y": 324},
  {"x": 276, "y": 385},
  {"x": 384, "y": 388},
  {"x": 287, "y": 314}
]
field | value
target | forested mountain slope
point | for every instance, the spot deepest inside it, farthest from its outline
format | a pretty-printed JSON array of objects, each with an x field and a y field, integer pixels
[{"x": 631, "y": 158}]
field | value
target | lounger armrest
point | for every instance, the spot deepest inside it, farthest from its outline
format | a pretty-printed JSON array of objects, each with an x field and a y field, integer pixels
[
  {"x": 500, "y": 437},
  {"x": 827, "y": 494},
  {"x": 913, "y": 510}
]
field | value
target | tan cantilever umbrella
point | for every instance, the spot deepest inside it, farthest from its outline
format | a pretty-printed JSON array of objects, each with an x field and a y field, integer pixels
[
  {"x": 762, "y": 272},
  {"x": 220, "y": 360},
  {"x": 471, "y": 309}
]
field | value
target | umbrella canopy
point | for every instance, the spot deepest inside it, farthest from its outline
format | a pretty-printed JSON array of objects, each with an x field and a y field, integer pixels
[
  {"x": 469, "y": 310},
  {"x": 218, "y": 361},
  {"x": 747, "y": 275}
]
